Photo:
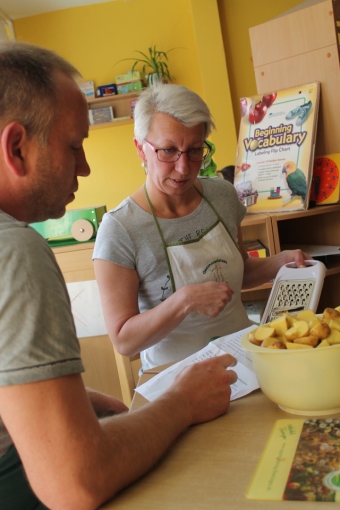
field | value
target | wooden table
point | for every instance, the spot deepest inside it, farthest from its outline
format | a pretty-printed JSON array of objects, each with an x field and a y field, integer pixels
[{"x": 210, "y": 465}]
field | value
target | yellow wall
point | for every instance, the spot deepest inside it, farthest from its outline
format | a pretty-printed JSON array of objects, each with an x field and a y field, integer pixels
[{"x": 207, "y": 35}]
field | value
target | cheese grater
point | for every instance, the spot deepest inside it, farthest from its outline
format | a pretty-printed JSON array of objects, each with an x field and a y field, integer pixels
[{"x": 295, "y": 289}]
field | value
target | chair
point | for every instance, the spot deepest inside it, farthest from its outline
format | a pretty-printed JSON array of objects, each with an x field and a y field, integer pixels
[{"x": 126, "y": 375}]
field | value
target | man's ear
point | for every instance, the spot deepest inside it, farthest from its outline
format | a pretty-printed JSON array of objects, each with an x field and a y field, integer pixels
[
  {"x": 13, "y": 141},
  {"x": 140, "y": 150}
]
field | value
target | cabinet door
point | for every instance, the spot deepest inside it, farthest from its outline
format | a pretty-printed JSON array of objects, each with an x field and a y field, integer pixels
[
  {"x": 97, "y": 352},
  {"x": 310, "y": 53}
]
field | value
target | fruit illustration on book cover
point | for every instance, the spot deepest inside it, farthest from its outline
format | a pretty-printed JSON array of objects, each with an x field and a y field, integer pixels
[{"x": 275, "y": 153}]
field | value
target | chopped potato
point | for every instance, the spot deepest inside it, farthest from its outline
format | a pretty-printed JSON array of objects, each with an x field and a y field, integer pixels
[
  {"x": 308, "y": 340},
  {"x": 302, "y": 331},
  {"x": 264, "y": 332},
  {"x": 334, "y": 337},
  {"x": 290, "y": 319},
  {"x": 293, "y": 345},
  {"x": 280, "y": 325},
  {"x": 322, "y": 330},
  {"x": 306, "y": 315},
  {"x": 334, "y": 324},
  {"x": 323, "y": 343},
  {"x": 330, "y": 313}
]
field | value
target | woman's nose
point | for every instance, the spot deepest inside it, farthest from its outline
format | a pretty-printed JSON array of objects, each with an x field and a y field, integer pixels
[{"x": 183, "y": 163}]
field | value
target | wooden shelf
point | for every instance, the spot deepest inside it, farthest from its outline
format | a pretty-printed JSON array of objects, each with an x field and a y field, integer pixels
[
  {"x": 319, "y": 225},
  {"x": 121, "y": 105}
]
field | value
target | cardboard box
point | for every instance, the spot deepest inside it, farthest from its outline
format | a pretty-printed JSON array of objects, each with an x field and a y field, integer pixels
[
  {"x": 101, "y": 115},
  {"x": 107, "y": 90},
  {"x": 130, "y": 76},
  {"x": 87, "y": 88},
  {"x": 133, "y": 86}
]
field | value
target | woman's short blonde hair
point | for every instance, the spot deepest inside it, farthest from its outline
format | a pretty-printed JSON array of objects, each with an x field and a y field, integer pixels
[{"x": 177, "y": 101}]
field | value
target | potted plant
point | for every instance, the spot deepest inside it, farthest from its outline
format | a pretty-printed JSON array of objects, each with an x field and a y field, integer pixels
[{"x": 155, "y": 61}]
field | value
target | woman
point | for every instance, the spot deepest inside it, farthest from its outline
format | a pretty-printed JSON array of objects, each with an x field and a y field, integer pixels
[{"x": 169, "y": 260}]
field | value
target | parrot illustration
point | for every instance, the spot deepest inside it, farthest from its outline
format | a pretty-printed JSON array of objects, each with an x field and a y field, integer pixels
[{"x": 296, "y": 180}]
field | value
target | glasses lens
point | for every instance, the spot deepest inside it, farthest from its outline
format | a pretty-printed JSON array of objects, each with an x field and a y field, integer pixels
[
  {"x": 168, "y": 155},
  {"x": 198, "y": 154}
]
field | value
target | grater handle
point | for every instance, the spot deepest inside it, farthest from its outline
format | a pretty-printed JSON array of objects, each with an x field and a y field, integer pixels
[
  {"x": 308, "y": 263},
  {"x": 314, "y": 269}
]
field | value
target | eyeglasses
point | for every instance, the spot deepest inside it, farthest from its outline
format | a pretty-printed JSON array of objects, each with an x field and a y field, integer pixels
[{"x": 195, "y": 154}]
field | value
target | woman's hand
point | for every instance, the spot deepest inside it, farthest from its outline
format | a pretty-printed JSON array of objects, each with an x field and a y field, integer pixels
[
  {"x": 208, "y": 298},
  {"x": 297, "y": 256}
]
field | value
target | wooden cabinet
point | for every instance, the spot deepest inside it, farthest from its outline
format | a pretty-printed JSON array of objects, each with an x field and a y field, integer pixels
[
  {"x": 101, "y": 374},
  {"x": 318, "y": 226},
  {"x": 302, "y": 46},
  {"x": 121, "y": 105}
]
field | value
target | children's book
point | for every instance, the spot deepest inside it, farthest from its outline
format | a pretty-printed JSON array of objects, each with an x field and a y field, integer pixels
[
  {"x": 301, "y": 462},
  {"x": 275, "y": 152},
  {"x": 255, "y": 249}
]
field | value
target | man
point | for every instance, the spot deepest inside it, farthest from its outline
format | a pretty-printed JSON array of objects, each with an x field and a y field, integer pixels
[{"x": 54, "y": 451}]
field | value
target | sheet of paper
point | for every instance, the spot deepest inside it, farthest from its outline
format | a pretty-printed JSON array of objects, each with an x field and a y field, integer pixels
[
  {"x": 230, "y": 344},
  {"x": 86, "y": 308}
]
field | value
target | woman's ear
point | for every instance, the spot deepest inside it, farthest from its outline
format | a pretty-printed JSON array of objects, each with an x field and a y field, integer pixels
[
  {"x": 140, "y": 150},
  {"x": 13, "y": 140}
]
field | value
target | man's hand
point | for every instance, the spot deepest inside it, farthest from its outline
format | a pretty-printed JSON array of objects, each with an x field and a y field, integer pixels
[{"x": 204, "y": 388}]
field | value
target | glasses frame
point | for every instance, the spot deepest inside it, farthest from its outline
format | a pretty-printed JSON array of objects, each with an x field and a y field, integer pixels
[{"x": 179, "y": 153}]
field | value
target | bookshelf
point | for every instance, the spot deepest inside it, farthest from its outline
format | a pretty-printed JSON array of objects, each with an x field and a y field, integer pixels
[{"x": 121, "y": 105}]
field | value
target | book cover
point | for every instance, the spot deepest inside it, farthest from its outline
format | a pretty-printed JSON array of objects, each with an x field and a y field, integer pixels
[
  {"x": 300, "y": 462},
  {"x": 255, "y": 248},
  {"x": 275, "y": 152}
]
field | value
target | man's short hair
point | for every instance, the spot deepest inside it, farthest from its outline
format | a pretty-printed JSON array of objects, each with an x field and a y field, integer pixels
[{"x": 28, "y": 92}]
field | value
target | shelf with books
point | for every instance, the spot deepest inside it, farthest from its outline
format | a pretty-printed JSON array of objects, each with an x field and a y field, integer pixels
[{"x": 122, "y": 106}]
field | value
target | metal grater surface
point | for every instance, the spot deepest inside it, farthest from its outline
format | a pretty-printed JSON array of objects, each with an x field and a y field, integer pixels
[{"x": 290, "y": 295}]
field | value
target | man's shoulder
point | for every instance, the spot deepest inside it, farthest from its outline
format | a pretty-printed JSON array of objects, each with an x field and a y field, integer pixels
[{"x": 21, "y": 243}]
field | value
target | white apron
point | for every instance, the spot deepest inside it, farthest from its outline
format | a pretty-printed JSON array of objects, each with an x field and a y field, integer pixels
[{"x": 214, "y": 256}]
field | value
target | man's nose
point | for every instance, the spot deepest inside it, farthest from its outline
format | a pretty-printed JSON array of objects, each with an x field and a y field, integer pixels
[{"x": 82, "y": 167}]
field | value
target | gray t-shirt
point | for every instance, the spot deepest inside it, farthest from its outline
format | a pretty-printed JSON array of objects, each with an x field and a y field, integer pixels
[
  {"x": 128, "y": 237},
  {"x": 37, "y": 334}
]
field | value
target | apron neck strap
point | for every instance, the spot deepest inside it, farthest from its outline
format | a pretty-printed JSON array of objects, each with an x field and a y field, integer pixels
[{"x": 162, "y": 238}]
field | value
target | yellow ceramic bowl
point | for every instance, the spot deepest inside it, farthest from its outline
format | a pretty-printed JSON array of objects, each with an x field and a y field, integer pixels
[{"x": 305, "y": 381}]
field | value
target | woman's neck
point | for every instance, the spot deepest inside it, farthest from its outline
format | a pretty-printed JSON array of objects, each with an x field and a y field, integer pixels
[{"x": 166, "y": 206}]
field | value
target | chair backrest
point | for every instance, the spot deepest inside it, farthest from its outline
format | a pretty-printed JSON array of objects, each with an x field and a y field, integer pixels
[{"x": 126, "y": 376}]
